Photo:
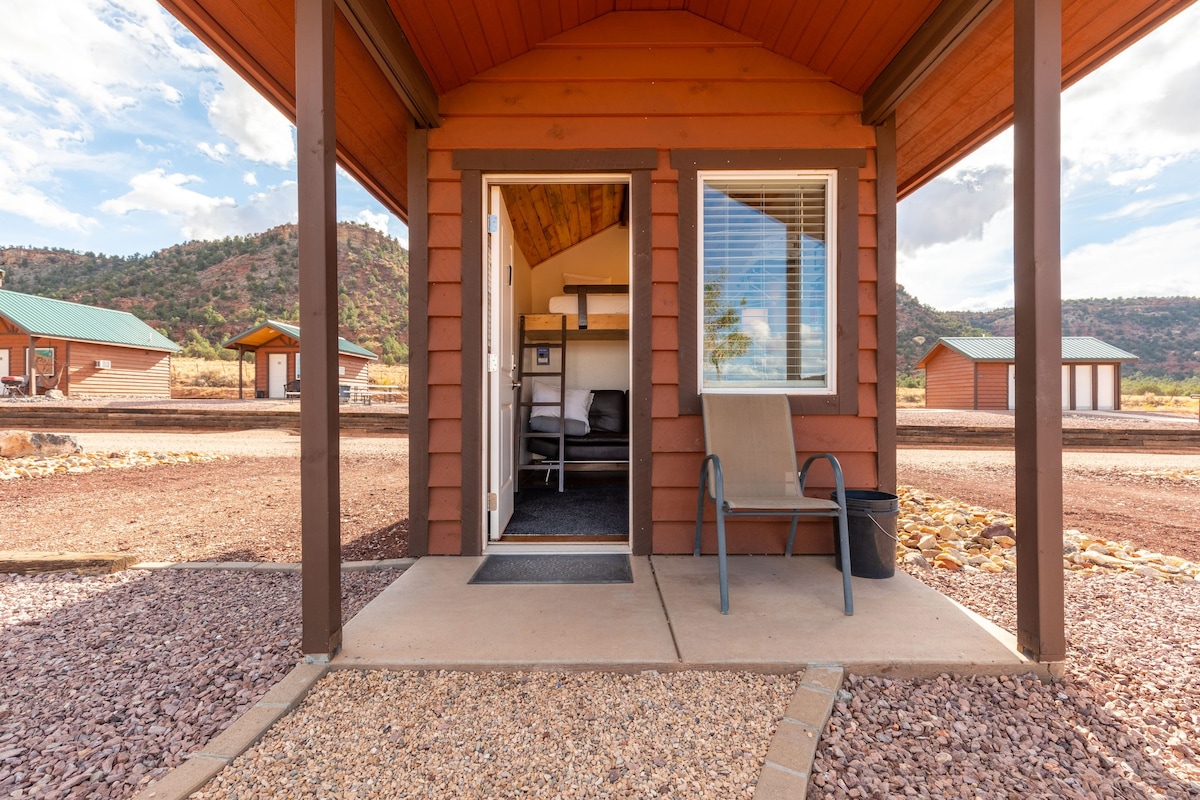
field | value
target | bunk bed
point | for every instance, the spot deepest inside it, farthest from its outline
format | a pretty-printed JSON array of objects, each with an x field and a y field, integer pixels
[{"x": 578, "y": 426}]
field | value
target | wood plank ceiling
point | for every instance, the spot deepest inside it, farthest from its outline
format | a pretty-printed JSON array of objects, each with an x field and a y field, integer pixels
[
  {"x": 963, "y": 101},
  {"x": 549, "y": 218}
]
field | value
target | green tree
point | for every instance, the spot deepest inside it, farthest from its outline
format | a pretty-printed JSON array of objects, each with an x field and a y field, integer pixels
[{"x": 723, "y": 338}]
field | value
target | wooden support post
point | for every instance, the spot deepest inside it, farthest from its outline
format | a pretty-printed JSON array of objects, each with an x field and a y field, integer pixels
[
  {"x": 885, "y": 294},
  {"x": 31, "y": 369},
  {"x": 241, "y": 360},
  {"x": 320, "y": 503},
  {"x": 1041, "y": 632}
]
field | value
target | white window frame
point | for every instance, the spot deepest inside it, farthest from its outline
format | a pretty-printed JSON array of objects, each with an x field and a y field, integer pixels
[{"x": 830, "y": 178}]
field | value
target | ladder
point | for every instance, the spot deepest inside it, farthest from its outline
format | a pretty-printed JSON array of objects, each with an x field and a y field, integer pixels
[{"x": 526, "y": 401}]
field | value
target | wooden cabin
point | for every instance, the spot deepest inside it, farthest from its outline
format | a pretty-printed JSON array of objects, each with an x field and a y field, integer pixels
[
  {"x": 82, "y": 351},
  {"x": 277, "y": 362},
  {"x": 759, "y": 149},
  {"x": 980, "y": 372}
]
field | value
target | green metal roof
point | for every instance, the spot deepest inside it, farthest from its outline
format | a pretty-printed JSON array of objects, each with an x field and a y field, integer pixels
[
  {"x": 58, "y": 319},
  {"x": 1003, "y": 348},
  {"x": 261, "y": 334}
]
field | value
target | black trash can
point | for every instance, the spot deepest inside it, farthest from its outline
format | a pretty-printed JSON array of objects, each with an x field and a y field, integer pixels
[{"x": 871, "y": 523}]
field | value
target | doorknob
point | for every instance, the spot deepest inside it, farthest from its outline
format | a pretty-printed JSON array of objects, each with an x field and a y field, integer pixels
[{"x": 516, "y": 384}]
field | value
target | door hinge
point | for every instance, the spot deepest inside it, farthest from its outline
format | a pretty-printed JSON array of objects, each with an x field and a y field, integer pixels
[
  {"x": 493, "y": 501},
  {"x": 493, "y": 362},
  {"x": 493, "y": 223}
]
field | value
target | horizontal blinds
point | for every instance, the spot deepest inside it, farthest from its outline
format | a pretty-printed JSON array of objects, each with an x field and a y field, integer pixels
[{"x": 765, "y": 276}]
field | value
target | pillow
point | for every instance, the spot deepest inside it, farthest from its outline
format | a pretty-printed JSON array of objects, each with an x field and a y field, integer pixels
[
  {"x": 570, "y": 278},
  {"x": 575, "y": 427},
  {"x": 608, "y": 411},
  {"x": 576, "y": 405}
]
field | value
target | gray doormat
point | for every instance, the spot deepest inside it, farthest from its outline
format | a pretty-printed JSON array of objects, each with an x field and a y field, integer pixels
[
  {"x": 554, "y": 569},
  {"x": 579, "y": 511}
]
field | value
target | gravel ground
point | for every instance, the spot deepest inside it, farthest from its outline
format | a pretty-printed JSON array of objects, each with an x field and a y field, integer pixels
[
  {"x": 111, "y": 681},
  {"x": 1070, "y": 419},
  {"x": 243, "y": 508},
  {"x": 516, "y": 735}
]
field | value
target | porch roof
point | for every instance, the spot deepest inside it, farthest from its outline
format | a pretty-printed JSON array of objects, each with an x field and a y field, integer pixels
[
  {"x": 1003, "y": 349},
  {"x": 264, "y": 332},
  {"x": 945, "y": 69},
  {"x": 60, "y": 319}
]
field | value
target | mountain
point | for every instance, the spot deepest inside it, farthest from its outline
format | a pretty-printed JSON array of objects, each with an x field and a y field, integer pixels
[
  {"x": 918, "y": 327},
  {"x": 201, "y": 293},
  {"x": 1164, "y": 332}
]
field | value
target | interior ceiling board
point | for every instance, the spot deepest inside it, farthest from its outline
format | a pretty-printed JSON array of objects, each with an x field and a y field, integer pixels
[
  {"x": 552, "y": 217},
  {"x": 968, "y": 98},
  {"x": 849, "y": 40}
]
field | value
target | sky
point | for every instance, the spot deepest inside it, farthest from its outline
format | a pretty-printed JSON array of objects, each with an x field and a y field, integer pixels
[{"x": 122, "y": 134}]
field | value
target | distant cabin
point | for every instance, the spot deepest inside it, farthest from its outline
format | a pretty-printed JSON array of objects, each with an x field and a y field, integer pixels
[
  {"x": 82, "y": 351},
  {"x": 978, "y": 372},
  {"x": 276, "y": 348}
]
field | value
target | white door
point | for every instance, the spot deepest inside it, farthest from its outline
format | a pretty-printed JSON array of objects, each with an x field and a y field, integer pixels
[
  {"x": 4, "y": 362},
  {"x": 1066, "y": 387},
  {"x": 276, "y": 375},
  {"x": 1106, "y": 387},
  {"x": 1012, "y": 386},
  {"x": 501, "y": 366},
  {"x": 1083, "y": 387}
]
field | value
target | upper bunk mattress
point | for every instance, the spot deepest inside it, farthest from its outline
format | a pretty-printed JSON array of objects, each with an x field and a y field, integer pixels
[{"x": 596, "y": 304}]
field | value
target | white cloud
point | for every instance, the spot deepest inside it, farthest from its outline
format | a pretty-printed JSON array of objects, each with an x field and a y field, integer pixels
[
  {"x": 259, "y": 132},
  {"x": 218, "y": 152},
  {"x": 378, "y": 221},
  {"x": 1122, "y": 268},
  {"x": 201, "y": 216},
  {"x": 954, "y": 207},
  {"x": 250, "y": 179},
  {"x": 1144, "y": 208}
]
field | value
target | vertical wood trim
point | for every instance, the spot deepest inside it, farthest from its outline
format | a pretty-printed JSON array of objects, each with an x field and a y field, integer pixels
[
  {"x": 1095, "y": 386},
  {"x": 473, "y": 389},
  {"x": 1117, "y": 389},
  {"x": 1041, "y": 629},
  {"x": 885, "y": 258},
  {"x": 418, "y": 341},
  {"x": 641, "y": 442},
  {"x": 320, "y": 485}
]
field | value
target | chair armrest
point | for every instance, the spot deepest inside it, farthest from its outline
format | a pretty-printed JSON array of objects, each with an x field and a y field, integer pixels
[
  {"x": 711, "y": 465},
  {"x": 838, "y": 480}
]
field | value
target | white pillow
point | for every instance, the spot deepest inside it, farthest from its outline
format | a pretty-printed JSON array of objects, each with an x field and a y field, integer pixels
[
  {"x": 578, "y": 403},
  {"x": 572, "y": 278}
]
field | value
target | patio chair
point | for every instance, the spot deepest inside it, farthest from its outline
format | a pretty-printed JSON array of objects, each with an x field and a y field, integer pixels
[{"x": 750, "y": 470}]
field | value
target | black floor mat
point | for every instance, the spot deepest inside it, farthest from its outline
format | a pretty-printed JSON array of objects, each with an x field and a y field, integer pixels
[
  {"x": 585, "y": 510},
  {"x": 554, "y": 569}
]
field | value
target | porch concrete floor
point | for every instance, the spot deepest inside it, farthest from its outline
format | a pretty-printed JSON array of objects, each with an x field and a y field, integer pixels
[{"x": 785, "y": 614}]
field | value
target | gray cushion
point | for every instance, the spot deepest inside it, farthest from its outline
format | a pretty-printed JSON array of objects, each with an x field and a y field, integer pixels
[
  {"x": 609, "y": 411},
  {"x": 575, "y": 427}
]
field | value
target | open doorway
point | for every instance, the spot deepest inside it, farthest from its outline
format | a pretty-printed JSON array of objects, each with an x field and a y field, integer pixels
[{"x": 557, "y": 335}]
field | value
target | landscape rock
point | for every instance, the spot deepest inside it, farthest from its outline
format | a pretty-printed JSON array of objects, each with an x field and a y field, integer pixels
[{"x": 24, "y": 444}]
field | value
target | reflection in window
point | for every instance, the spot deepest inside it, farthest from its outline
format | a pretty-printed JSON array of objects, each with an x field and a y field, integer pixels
[{"x": 767, "y": 299}]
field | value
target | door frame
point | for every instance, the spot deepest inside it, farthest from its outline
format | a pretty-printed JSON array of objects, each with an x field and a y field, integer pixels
[
  {"x": 493, "y": 182},
  {"x": 472, "y": 165}
]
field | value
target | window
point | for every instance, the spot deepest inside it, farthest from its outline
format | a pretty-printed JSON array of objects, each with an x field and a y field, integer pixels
[{"x": 767, "y": 294}]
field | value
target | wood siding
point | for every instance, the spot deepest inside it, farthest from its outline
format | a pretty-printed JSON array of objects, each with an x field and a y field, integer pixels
[
  {"x": 949, "y": 380},
  {"x": 991, "y": 385},
  {"x": 608, "y": 88},
  {"x": 134, "y": 372},
  {"x": 355, "y": 367}
]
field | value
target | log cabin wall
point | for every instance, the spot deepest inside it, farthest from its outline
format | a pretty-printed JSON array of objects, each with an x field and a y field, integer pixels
[
  {"x": 949, "y": 380},
  {"x": 612, "y": 85}
]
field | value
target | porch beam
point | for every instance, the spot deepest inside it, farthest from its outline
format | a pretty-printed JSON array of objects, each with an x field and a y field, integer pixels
[
  {"x": 385, "y": 40},
  {"x": 1041, "y": 631},
  {"x": 320, "y": 492},
  {"x": 945, "y": 29}
]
